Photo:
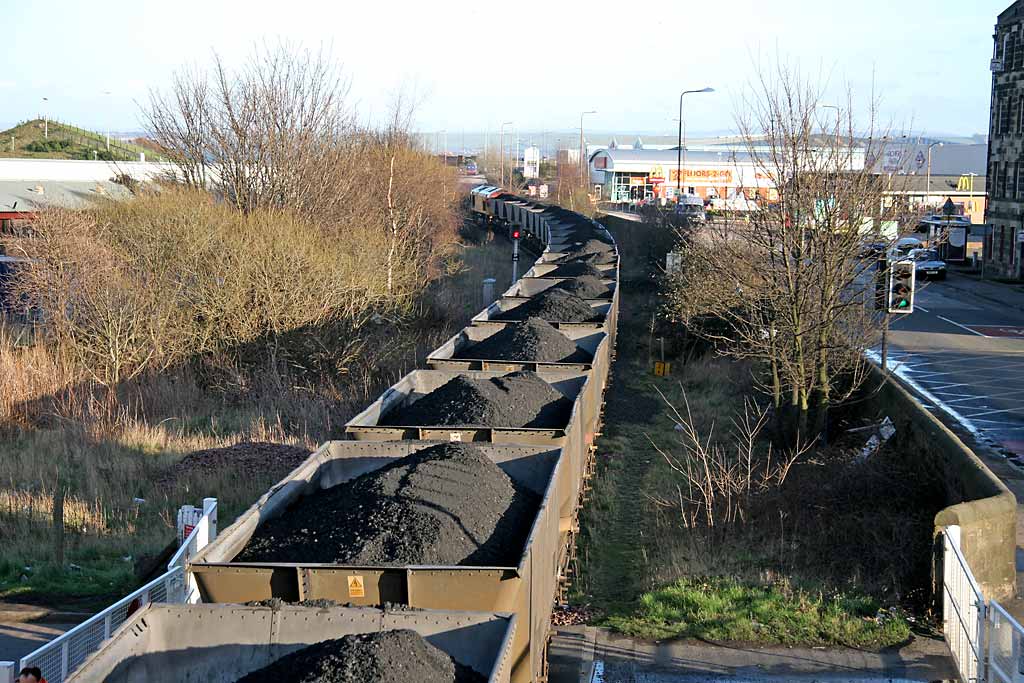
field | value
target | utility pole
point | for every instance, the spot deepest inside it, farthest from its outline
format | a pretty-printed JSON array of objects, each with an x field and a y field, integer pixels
[
  {"x": 681, "y": 142},
  {"x": 501, "y": 150},
  {"x": 46, "y": 124},
  {"x": 583, "y": 152},
  {"x": 928, "y": 182}
]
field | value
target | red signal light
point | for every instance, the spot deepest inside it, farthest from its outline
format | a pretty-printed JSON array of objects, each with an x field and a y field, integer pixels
[{"x": 515, "y": 234}]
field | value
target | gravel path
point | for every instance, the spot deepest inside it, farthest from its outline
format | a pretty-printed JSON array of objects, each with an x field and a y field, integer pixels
[
  {"x": 400, "y": 656},
  {"x": 444, "y": 505}
]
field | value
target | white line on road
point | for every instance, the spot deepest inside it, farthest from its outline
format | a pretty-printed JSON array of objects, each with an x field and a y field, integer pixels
[
  {"x": 953, "y": 322},
  {"x": 922, "y": 308}
]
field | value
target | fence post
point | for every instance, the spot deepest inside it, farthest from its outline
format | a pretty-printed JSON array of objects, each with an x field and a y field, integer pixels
[
  {"x": 64, "y": 655},
  {"x": 7, "y": 671},
  {"x": 488, "y": 292}
]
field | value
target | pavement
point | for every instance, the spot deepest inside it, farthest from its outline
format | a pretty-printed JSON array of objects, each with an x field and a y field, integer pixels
[
  {"x": 585, "y": 654},
  {"x": 24, "y": 628},
  {"x": 962, "y": 351}
]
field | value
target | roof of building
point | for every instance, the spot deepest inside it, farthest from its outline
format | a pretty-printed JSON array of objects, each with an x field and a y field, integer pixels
[
  {"x": 1011, "y": 13},
  {"x": 940, "y": 184},
  {"x": 665, "y": 156},
  {"x": 20, "y": 196},
  {"x": 61, "y": 170}
]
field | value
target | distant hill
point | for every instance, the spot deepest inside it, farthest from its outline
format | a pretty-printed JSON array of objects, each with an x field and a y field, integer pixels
[{"x": 61, "y": 141}]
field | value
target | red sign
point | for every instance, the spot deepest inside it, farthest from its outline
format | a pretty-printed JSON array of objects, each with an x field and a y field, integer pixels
[{"x": 655, "y": 181}]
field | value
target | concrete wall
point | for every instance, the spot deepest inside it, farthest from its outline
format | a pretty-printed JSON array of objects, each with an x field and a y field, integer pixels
[
  {"x": 72, "y": 170},
  {"x": 977, "y": 501}
]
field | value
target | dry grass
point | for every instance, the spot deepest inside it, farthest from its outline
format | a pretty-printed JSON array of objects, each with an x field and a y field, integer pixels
[{"x": 109, "y": 447}]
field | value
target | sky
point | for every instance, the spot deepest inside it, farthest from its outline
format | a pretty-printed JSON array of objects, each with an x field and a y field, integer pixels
[{"x": 474, "y": 65}]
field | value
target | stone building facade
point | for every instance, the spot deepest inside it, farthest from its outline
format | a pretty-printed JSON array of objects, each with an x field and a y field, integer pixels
[{"x": 1004, "y": 249}]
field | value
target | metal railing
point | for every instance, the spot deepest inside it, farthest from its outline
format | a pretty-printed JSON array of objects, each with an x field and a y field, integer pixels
[
  {"x": 1005, "y": 646},
  {"x": 61, "y": 656},
  {"x": 963, "y": 609}
]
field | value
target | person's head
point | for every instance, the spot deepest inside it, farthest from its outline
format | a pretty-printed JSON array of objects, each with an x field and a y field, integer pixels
[{"x": 30, "y": 674}]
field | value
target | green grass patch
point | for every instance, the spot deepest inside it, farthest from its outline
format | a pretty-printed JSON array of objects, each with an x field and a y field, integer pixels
[{"x": 723, "y": 609}]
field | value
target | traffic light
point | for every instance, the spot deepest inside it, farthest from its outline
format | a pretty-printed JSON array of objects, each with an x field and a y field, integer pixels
[
  {"x": 901, "y": 287},
  {"x": 515, "y": 233}
]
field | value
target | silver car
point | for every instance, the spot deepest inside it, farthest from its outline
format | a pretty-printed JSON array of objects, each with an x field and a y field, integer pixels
[{"x": 927, "y": 264}]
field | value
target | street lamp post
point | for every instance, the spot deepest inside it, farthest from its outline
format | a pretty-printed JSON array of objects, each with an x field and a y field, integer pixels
[
  {"x": 928, "y": 181},
  {"x": 838, "y": 110},
  {"x": 583, "y": 153},
  {"x": 501, "y": 150},
  {"x": 679, "y": 148},
  {"x": 46, "y": 124},
  {"x": 107, "y": 93}
]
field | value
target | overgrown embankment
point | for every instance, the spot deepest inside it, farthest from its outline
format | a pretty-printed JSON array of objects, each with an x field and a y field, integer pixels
[{"x": 698, "y": 527}]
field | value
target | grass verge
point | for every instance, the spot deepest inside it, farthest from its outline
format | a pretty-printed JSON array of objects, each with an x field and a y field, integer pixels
[
  {"x": 837, "y": 554},
  {"x": 724, "y": 609}
]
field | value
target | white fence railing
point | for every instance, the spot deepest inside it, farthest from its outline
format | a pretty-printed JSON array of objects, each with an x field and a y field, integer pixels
[
  {"x": 61, "y": 656},
  {"x": 1005, "y": 649},
  {"x": 963, "y": 609},
  {"x": 986, "y": 642}
]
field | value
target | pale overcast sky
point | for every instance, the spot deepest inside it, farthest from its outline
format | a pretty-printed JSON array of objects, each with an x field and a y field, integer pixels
[{"x": 538, "y": 64}]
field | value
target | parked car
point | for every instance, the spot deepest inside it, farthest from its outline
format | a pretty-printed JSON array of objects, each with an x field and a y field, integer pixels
[
  {"x": 927, "y": 264},
  {"x": 872, "y": 249},
  {"x": 691, "y": 207}
]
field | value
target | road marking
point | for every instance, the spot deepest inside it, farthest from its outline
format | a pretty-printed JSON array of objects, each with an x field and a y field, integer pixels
[
  {"x": 1012, "y": 331},
  {"x": 1017, "y": 410},
  {"x": 922, "y": 308},
  {"x": 953, "y": 322}
]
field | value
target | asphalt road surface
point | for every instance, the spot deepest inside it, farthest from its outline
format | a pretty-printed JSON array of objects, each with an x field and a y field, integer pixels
[{"x": 966, "y": 353}]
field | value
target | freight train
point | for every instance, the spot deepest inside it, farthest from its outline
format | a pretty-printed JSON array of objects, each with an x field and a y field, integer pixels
[{"x": 494, "y": 619}]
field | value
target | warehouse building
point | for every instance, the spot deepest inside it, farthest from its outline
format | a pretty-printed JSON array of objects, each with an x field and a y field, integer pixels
[{"x": 623, "y": 175}]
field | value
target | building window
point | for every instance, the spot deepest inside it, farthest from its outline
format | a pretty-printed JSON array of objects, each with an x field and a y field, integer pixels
[
  {"x": 1002, "y": 240},
  {"x": 1003, "y": 124},
  {"x": 1018, "y": 53},
  {"x": 1001, "y": 186}
]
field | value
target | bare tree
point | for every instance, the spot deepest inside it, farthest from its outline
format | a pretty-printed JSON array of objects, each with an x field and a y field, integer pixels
[{"x": 794, "y": 286}]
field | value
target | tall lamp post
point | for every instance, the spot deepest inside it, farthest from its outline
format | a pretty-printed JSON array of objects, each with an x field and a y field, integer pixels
[
  {"x": 838, "y": 111},
  {"x": 583, "y": 152},
  {"x": 107, "y": 93},
  {"x": 46, "y": 124},
  {"x": 501, "y": 150},
  {"x": 928, "y": 181},
  {"x": 679, "y": 148}
]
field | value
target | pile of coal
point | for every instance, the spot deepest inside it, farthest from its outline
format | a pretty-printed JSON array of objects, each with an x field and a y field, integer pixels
[
  {"x": 585, "y": 287},
  {"x": 576, "y": 268},
  {"x": 444, "y": 505},
  {"x": 553, "y": 305},
  {"x": 531, "y": 340},
  {"x": 399, "y": 656},
  {"x": 519, "y": 399}
]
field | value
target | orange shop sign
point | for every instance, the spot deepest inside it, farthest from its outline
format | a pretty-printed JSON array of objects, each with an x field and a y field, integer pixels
[{"x": 704, "y": 176}]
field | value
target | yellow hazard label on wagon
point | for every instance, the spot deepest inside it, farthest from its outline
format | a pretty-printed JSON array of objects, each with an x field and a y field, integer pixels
[
  {"x": 356, "y": 587},
  {"x": 662, "y": 369},
  {"x": 455, "y": 436}
]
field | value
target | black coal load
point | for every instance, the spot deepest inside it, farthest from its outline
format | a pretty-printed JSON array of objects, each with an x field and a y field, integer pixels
[
  {"x": 553, "y": 305},
  {"x": 593, "y": 250},
  {"x": 399, "y": 656},
  {"x": 575, "y": 268},
  {"x": 585, "y": 287},
  {"x": 519, "y": 399},
  {"x": 444, "y": 505},
  {"x": 531, "y": 340}
]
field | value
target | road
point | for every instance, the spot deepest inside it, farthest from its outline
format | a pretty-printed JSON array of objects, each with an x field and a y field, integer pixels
[{"x": 966, "y": 352}]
